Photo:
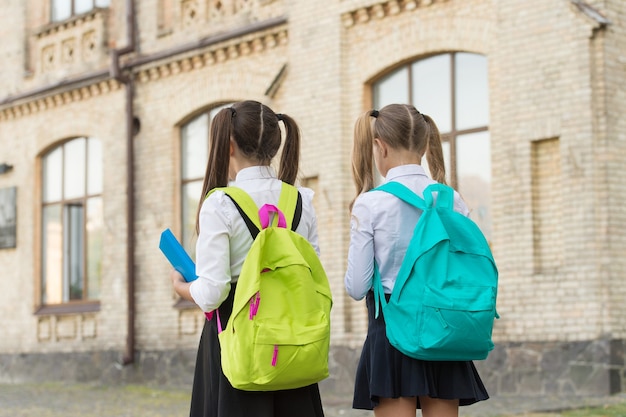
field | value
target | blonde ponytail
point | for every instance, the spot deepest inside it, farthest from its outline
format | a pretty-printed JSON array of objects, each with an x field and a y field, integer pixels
[
  {"x": 363, "y": 155},
  {"x": 434, "y": 152}
]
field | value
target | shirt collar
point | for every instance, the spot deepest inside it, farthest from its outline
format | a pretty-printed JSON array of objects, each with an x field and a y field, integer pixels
[
  {"x": 256, "y": 172},
  {"x": 404, "y": 170}
]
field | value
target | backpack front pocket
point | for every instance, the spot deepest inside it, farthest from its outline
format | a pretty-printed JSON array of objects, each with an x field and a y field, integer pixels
[
  {"x": 458, "y": 325},
  {"x": 295, "y": 355}
]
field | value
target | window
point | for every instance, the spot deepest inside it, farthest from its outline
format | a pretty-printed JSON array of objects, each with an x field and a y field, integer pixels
[
  {"x": 72, "y": 222},
  {"x": 453, "y": 89},
  {"x": 64, "y": 9},
  {"x": 194, "y": 156}
]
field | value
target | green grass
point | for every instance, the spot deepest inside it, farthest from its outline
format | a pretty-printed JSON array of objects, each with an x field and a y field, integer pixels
[{"x": 613, "y": 410}]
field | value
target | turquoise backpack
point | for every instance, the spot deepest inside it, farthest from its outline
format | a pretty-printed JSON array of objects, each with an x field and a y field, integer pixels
[
  {"x": 278, "y": 334},
  {"x": 443, "y": 303}
]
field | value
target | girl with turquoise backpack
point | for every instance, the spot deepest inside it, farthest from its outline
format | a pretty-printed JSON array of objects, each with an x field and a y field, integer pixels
[
  {"x": 388, "y": 381},
  {"x": 244, "y": 139}
]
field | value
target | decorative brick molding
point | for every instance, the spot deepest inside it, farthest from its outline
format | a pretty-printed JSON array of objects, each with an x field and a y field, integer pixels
[
  {"x": 59, "y": 99},
  {"x": 252, "y": 44},
  {"x": 177, "y": 17},
  {"x": 71, "y": 46},
  {"x": 383, "y": 9}
]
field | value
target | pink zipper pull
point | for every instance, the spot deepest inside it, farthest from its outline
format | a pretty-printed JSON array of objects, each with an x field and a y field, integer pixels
[
  {"x": 219, "y": 322},
  {"x": 257, "y": 302},
  {"x": 254, "y": 305},
  {"x": 275, "y": 355}
]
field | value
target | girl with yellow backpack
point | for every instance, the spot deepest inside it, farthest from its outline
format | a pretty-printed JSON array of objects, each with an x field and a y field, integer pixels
[{"x": 244, "y": 138}]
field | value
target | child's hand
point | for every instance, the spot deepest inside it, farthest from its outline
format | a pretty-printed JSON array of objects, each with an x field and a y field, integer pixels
[{"x": 176, "y": 277}]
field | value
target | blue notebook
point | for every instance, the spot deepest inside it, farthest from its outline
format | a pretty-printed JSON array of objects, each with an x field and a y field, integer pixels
[{"x": 176, "y": 254}]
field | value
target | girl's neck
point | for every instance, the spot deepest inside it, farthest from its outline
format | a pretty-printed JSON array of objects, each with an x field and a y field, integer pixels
[{"x": 399, "y": 157}]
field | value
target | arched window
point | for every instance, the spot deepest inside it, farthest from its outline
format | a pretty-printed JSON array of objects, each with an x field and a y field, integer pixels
[
  {"x": 72, "y": 222},
  {"x": 194, "y": 155},
  {"x": 453, "y": 89}
]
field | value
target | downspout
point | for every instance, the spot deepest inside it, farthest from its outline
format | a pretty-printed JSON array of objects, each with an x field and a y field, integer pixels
[{"x": 127, "y": 80}]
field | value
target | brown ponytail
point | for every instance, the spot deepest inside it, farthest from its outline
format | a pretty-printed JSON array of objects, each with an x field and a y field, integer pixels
[
  {"x": 219, "y": 155},
  {"x": 290, "y": 157}
]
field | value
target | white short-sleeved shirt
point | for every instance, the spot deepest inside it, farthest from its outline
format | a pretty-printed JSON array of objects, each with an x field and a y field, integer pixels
[
  {"x": 381, "y": 229},
  {"x": 224, "y": 239}
]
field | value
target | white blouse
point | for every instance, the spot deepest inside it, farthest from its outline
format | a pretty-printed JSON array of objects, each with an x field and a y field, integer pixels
[
  {"x": 224, "y": 238},
  {"x": 381, "y": 228}
]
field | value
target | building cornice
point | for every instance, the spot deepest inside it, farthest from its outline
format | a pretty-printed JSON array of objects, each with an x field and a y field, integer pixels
[{"x": 383, "y": 9}]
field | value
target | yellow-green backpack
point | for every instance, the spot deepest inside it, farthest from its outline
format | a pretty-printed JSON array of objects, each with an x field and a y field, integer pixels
[{"x": 278, "y": 334}]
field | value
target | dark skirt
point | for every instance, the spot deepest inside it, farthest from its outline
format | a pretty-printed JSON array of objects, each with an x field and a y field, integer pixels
[
  {"x": 213, "y": 396},
  {"x": 385, "y": 372}
]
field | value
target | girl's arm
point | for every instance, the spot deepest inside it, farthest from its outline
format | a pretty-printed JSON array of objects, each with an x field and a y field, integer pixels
[
  {"x": 212, "y": 255},
  {"x": 358, "y": 279}
]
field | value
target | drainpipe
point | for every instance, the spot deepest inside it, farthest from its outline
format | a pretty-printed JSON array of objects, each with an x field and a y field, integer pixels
[{"x": 127, "y": 80}]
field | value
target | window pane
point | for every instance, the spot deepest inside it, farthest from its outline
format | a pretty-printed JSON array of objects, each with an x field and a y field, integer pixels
[
  {"x": 82, "y": 6},
  {"x": 473, "y": 155},
  {"x": 103, "y": 3},
  {"x": 94, "y": 166},
  {"x": 190, "y": 198},
  {"x": 52, "y": 255},
  {"x": 431, "y": 90},
  {"x": 394, "y": 88},
  {"x": 95, "y": 233},
  {"x": 472, "y": 91},
  {"x": 195, "y": 142},
  {"x": 61, "y": 10},
  {"x": 74, "y": 169},
  {"x": 73, "y": 245},
  {"x": 52, "y": 174}
]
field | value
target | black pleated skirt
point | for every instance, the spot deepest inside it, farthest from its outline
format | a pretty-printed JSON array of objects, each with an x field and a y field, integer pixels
[
  {"x": 385, "y": 372},
  {"x": 213, "y": 396}
]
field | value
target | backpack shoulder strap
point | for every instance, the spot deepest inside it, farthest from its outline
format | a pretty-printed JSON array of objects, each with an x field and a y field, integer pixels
[
  {"x": 246, "y": 207},
  {"x": 290, "y": 201},
  {"x": 445, "y": 196},
  {"x": 403, "y": 193}
]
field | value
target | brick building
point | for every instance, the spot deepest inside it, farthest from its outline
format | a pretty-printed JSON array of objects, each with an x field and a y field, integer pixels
[{"x": 104, "y": 109}]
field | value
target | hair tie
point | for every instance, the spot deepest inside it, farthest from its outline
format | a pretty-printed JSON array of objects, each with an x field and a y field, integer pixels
[
  {"x": 374, "y": 113},
  {"x": 279, "y": 116},
  {"x": 233, "y": 112}
]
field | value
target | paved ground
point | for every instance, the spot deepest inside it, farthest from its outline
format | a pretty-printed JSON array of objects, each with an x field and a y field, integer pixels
[{"x": 57, "y": 400}]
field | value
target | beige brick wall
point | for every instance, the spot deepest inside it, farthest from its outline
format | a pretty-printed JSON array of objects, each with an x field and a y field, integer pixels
[
  {"x": 553, "y": 98},
  {"x": 557, "y": 99},
  {"x": 610, "y": 101},
  {"x": 13, "y": 34}
]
